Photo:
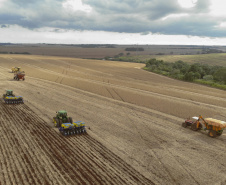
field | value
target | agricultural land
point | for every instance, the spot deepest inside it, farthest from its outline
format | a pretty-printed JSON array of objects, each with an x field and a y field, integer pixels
[{"x": 133, "y": 118}]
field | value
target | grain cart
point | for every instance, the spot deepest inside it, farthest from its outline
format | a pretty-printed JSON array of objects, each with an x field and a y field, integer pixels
[
  {"x": 10, "y": 98},
  {"x": 19, "y": 76},
  {"x": 15, "y": 69},
  {"x": 61, "y": 117},
  {"x": 214, "y": 126}
]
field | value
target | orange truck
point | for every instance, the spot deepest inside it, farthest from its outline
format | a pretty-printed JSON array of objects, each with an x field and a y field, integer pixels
[{"x": 215, "y": 127}]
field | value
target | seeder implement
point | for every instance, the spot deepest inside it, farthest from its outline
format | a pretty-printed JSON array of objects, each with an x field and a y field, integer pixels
[
  {"x": 13, "y": 99},
  {"x": 10, "y": 98},
  {"x": 72, "y": 128}
]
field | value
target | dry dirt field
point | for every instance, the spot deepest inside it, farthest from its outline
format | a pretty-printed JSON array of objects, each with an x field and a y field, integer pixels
[{"x": 134, "y": 125}]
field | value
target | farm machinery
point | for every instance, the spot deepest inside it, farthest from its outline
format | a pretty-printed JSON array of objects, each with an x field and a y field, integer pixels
[
  {"x": 10, "y": 98},
  {"x": 66, "y": 125},
  {"x": 19, "y": 75},
  {"x": 215, "y": 127},
  {"x": 15, "y": 69}
]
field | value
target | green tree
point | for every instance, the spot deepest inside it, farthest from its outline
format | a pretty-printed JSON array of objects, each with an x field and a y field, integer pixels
[
  {"x": 220, "y": 75},
  {"x": 189, "y": 76},
  {"x": 208, "y": 77},
  {"x": 197, "y": 75}
]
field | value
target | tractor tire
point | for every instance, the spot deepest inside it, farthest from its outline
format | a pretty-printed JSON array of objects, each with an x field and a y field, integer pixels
[
  {"x": 60, "y": 123},
  {"x": 184, "y": 124},
  {"x": 23, "y": 79},
  {"x": 212, "y": 133},
  {"x": 17, "y": 79},
  {"x": 194, "y": 127},
  {"x": 65, "y": 133},
  {"x": 219, "y": 134},
  {"x": 57, "y": 123},
  {"x": 70, "y": 120}
]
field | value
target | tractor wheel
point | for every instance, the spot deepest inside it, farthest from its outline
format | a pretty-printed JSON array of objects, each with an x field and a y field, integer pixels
[
  {"x": 72, "y": 132},
  {"x": 212, "y": 133},
  {"x": 57, "y": 124},
  {"x": 219, "y": 133},
  {"x": 194, "y": 127},
  {"x": 17, "y": 79},
  {"x": 70, "y": 120},
  {"x": 184, "y": 124},
  {"x": 23, "y": 79},
  {"x": 60, "y": 123},
  {"x": 54, "y": 121},
  {"x": 65, "y": 133}
]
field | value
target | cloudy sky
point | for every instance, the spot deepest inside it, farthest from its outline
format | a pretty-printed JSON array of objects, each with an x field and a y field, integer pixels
[{"x": 198, "y": 22}]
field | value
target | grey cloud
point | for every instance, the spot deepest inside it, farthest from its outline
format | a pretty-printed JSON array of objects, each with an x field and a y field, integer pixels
[
  {"x": 4, "y": 26},
  {"x": 132, "y": 16}
]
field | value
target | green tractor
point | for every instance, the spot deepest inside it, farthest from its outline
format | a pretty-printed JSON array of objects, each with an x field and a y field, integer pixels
[
  {"x": 61, "y": 117},
  {"x": 10, "y": 98}
]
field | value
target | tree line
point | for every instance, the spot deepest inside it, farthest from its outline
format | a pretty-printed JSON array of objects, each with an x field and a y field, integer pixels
[{"x": 202, "y": 73}]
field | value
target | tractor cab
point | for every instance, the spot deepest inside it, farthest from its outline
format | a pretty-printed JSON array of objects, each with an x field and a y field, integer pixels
[
  {"x": 9, "y": 93},
  {"x": 62, "y": 115}
]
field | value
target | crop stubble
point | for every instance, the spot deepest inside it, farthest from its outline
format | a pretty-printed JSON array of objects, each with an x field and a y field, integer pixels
[{"x": 136, "y": 114}]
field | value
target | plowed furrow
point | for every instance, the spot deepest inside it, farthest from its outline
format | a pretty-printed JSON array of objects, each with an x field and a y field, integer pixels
[
  {"x": 76, "y": 163},
  {"x": 33, "y": 124},
  {"x": 76, "y": 144},
  {"x": 114, "y": 159},
  {"x": 92, "y": 160},
  {"x": 72, "y": 165},
  {"x": 5, "y": 164},
  {"x": 101, "y": 164},
  {"x": 30, "y": 156},
  {"x": 20, "y": 137},
  {"x": 13, "y": 151},
  {"x": 49, "y": 155},
  {"x": 49, "y": 166}
]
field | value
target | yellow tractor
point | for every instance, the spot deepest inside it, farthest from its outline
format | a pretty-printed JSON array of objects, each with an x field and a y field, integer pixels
[
  {"x": 15, "y": 69},
  {"x": 214, "y": 126}
]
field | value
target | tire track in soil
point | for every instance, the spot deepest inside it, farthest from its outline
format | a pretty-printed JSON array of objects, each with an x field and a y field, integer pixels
[
  {"x": 141, "y": 136},
  {"x": 88, "y": 161},
  {"x": 165, "y": 96}
]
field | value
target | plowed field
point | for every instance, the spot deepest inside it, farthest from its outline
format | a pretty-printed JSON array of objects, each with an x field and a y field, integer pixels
[{"x": 134, "y": 125}]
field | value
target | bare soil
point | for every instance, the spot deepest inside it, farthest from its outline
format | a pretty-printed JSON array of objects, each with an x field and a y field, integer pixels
[{"x": 134, "y": 125}]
